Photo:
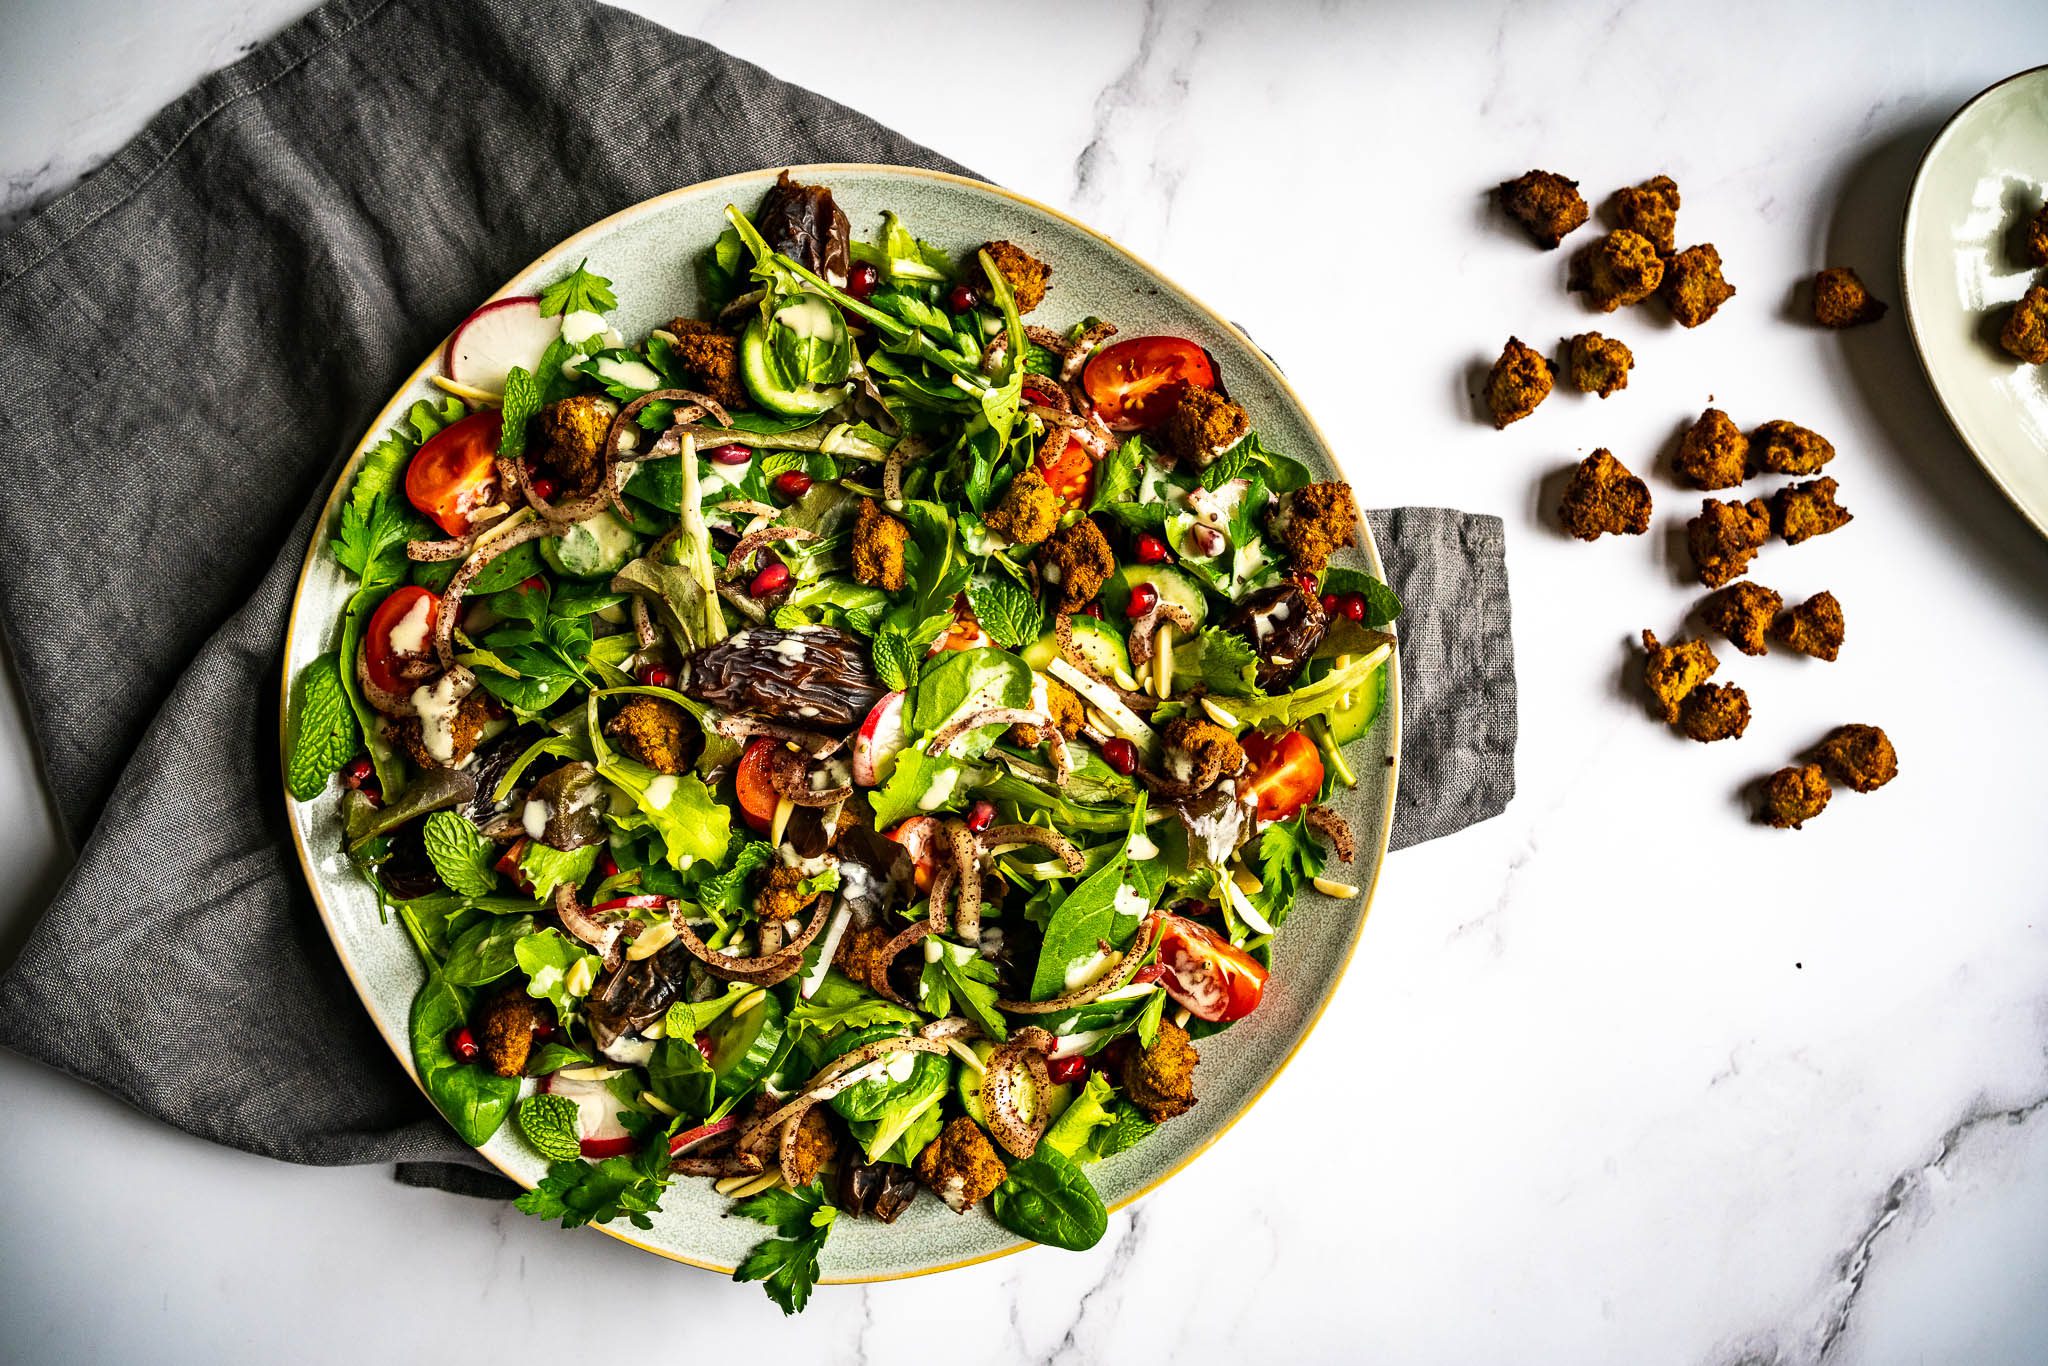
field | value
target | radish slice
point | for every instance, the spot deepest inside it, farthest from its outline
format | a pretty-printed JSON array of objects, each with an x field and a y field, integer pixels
[
  {"x": 683, "y": 1143},
  {"x": 880, "y": 740},
  {"x": 597, "y": 1115},
  {"x": 498, "y": 336}
]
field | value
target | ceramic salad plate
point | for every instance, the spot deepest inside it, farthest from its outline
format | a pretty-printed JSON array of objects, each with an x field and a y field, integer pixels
[
  {"x": 1984, "y": 175},
  {"x": 652, "y": 255}
]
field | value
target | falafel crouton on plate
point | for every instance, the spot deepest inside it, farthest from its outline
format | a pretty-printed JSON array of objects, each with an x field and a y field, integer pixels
[
  {"x": 1651, "y": 209},
  {"x": 1815, "y": 627},
  {"x": 815, "y": 1145},
  {"x": 1598, "y": 365},
  {"x": 1312, "y": 522},
  {"x": 2034, "y": 241},
  {"x": 712, "y": 359},
  {"x": 1841, "y": 299},
  {"x": 859, "y": 957},
  {"x": 1714, "y": 711},
  {"x": 464, "y": 727},
  {"x": 1725, "y": 537},
  {"x": 1202, "y": 425},
  {"x": 1603, "y": 498},
  {"x": 1077, "y": 561},
  {"x": 961, "y": 1166},
  {"x": 572, "y": 432},
  {"x": 1799, "y": 512},
  {"x": 656, "y": 732},
  {"x": 1743, "y": 612},
  {"x": 1546, "y": 205},
  {"x": 1713, "y": 453},
  {"x": 1160, "y": 1080},
  {"x": 1672, "y": 671},
  {"x": 504, "y": 1028},
  {"x": 1029, "y": 509},
  {"x": 1518, "y": 381},
  {"x": 1621, "y": 268},
  {"x": 1787, "y": 448},
  {"x": 1194, "y": 745},
  {"x": 1063, "y": 704},
  {"x": 1859, "y": 757},
  {"x": 2025, "y": 334},
  {"x": 1027, "y": 276},
  {"x": 1793, "y": 796},
  {"x": 1694, "y": 288},
  {"x": 780, "y": 899},
  {"x": 878, "y": 541}
]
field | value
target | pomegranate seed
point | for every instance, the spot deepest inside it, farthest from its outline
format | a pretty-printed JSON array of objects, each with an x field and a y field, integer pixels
[
  {"x": 704, "y": 1045},
  {"x": 1330, "y": 604},
  {"x": 657, "y": 676},
  {"x": 980, "y": 817},
  {"x": 1151, "y": 550},
  {"x": 773, "y": 579},
  {"x": 1064, "y": 1070},
  {"x": 374, "y": 792},
  {"x": 462, "y": 1044},
  {"x": 607, "y": 866},
  {"x": 532, "y": 583},
  {"x": 1120, "y": 754},
  {"x": 792, "y": 484},
  {"x": 543, "y": 488},
  {"x": 734, "y": 454},
  {"x": 543, "y": 1030},
  {"x": 358, "y": 772},
  {"x": 960, "y": 298},
  {"x": 1148, "y": 974},
  {"x": 1093, "y": 609},
  {"x": 1144, "y": 597},
  {"x": 1354, "y": 606},
  {"x": 862, "y": 280}
]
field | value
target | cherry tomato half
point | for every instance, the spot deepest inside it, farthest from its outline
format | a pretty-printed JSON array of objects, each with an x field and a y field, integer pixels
[
  {"x": 1070, "y": 475},
  {"x": 1134, "y": 384},
  {"x": 1287, "y": 772},
  {"x": 753, "y": 786},
  {"x": 919, "y": 836},
  {"x": 1212, "y": 977},
  {"x": 964, "y": 634},
  {"x": 456, "y": 472},
  {"x": 401, "y": 631}
]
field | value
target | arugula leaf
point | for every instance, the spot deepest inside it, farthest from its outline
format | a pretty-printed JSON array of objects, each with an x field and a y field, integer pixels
[
  {"x": 787, "y": 1267},
  {"x": 546, "y": 867},
  {"x": 325, "y": 737},
  {"x": 580, "y": 291},
  {"x": 1010, "y": 615},
  {"x": 460, "y": 854},
  {"x": 550, "y": 1126},
  {"x": 895, "y": 658},
  {"x": 1316, "y": 698},
  {"x": 522, "y": 403},
  {"x": 1381, "y": 605}
]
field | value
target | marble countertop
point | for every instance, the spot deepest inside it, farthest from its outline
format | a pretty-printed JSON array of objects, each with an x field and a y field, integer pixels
[{"x": 1616, "y": 1077}]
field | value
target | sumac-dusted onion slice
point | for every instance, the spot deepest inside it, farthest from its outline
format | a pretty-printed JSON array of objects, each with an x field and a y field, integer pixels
[
  {"x": 1117, "y": 972},
  {"x": 1333, "y": 828},
  {"x": 1025, "y": 1052},
  {"x": 997, "y": 835},
  {"x": 790, "y": 775}
]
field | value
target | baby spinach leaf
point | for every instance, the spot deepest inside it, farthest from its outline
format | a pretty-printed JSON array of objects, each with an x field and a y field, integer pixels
[
  {"x": 460, "y": 854},
  {"x": 1050, "y": 1200},
  {"x": 1079, "y": 927},
  {"x": 1381, "y": 605},
  {"x": 325, "y": 736},
  {"x": 473, "y": 1099},
  {"x": 486, "y": 950}
]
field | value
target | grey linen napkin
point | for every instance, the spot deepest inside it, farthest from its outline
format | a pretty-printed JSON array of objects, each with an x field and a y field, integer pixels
[{"x": 195, "y": 335}]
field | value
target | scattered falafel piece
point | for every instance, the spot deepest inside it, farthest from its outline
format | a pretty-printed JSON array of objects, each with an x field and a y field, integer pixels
[
  {"x": 878, "y": 541},
  {"x": 960, "y": 1166},
  {"x": 1671, "y": 672},
  {"x": 465, "y": 728},
  {"x": 1546, "y": 205},
  {"x": 815, "y": 1145},
  {"x": 2034, "y": 240},
  {"x": 1841, "y": 299},
  {"x": 1202, "y": 425},
  {"x": 2025, "y": 334},
  {"x": 1781, "y": 447},
  {"x": 1029, "y": 509},
  {"x": 1714, "y": 711},
  {"x": 1068, "y": 714},
  {"x": 780, "y": 899},
  {"x": 1604, "y": 499},
  {"x": 1598, "y": 365},
  {"x": 1694, "y": 288},
  {"x": 1621, "y": 268},
  {"x": 1160, "y": 1080},
  {"x": 1312, "y": 522},
  {"x": 656, "y": 732},
  {"x": 1743, "y": 612},
  {"x": 504, "y": 1026},
  {"x": 1815, "y": 627},
  {"x": 1028, "y": 277},
  {"x": 1725, "y": 537},
  {"x": 712, "y": 359},
  {"x": 1859, "y": 757},
  {"x": 1713, "y": 453},
  {"x": 859, "y": 957},
  {"x": 1193, "y": 745},
  {"x": 1519, "y": 381},
  {"x": 1793, "y": 796},
  {"x": 572, "y": 432},
  {"x": 1651, "y": 209},
  {"x": 1077, "y": 561},
  {"x": 1800, "y": 512}
]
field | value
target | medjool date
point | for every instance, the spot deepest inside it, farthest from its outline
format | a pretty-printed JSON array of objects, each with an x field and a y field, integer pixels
[
  {"x": 814, "y": 677},
  {"x": 1284, "y": 625},
  {"x": 880, "y": 1190},
  {"x": 803, "y": 223}
]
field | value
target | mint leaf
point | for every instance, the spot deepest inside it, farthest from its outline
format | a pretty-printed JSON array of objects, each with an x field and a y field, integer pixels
[
  {"x": 460, "y": 853},
  {"x": 1006, "y": 611},
  {"x": 895, "y": 659},
  {"x": 550, "y": 1124},
  {"x": 1239, "y": 462},
  {"x": 1381, "y": 605},
  {"x": 580, "y": 290},
  {"x": 522, "y": 404},
  {"x": 326, "y": 735}
]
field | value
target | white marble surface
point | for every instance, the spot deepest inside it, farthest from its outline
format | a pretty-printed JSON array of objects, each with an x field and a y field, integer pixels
[{"x": 1617, "y": 1077}]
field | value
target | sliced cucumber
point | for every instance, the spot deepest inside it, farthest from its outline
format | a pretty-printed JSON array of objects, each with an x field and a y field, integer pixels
[
  {"x": 757, "y": 371},
  {"x": 596, "y": 547},
  {"x": 1354, "y": 716},
  {"x": 744, "y": 1047},
  {"x": 967, "y": 1083},
  {"x": 1097, "y": 641},
  {"x": 1173, "y": 585}
]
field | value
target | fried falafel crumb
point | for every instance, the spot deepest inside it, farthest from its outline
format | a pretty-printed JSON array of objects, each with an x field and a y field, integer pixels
[
  {"x": 1598, "y": 365},
  {"x": 1800, "y": 512},
  {"x": 1651, "y": 209},
  {"x": 1077, "y": 561},
  {"x": 1787, "y": 448},
  {"x": 1841, "y": 299},
  {"x": 1603, "y": 498},
  {"x": 1201, "y": 742},
  {"x": 1621, "y": 268},
  {"x": 878, "y": 541},
  {"x": 1029, "y": 509},
  {"x": 1725, "y": 537},
  {"x": 1160, "y": 1080},
  {"x": 815, "y": 1146},
  {"x": 860, "y": 955},
  {"x": 712, "y": 359},
  {"x": 1671, "y": 672},
  {"x": 1068, "y": 716},
  {"x": 504, "y": 1027},
  {"x": 1794, "y": 795},
  {"x": 1028, "y": 277},
  {"x": 656, "y": 732},
  {"x": 1313, "y": 522},
  {"x": 1202, "y": 425},
  {"x": 2025, "y": 334},
  {"x": 572, "y": 432},
  {"x": 961, "y": 1166},
  {"x": 1713, "y": 453},
  {"x": 780, "y": 898},
  {"x": 2034, "y": 241},
  {"x": 1546, "y": 205},
  {"x": 1859, "y": 757},
  {"x": 465, "y": 728},
  {"x": 1714, "y": 711},
  {"x": 1743, "y": 612},
  {"x": 1694, "y": 288},
  {"x": 1519, "y": 381},
  {"x": 1815, "y": 627}
]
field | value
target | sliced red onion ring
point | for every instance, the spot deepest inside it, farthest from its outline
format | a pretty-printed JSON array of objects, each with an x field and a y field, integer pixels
[
  {"x": 1026, "y": 1049},
  {"x": 585, "y": 928},
  {"x": 490, "y": 546}
]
